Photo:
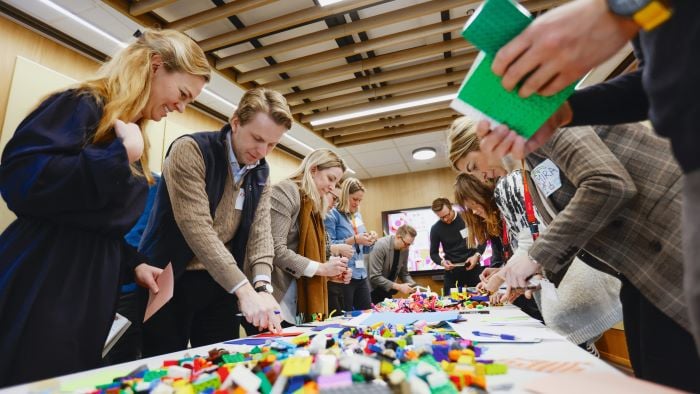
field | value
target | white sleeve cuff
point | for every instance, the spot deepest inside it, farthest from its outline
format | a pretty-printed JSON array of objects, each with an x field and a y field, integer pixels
[
  {"x": 238, "y": 286},
  {"x": 264, "y": 278},
  {"x": 311, "y": 269}
]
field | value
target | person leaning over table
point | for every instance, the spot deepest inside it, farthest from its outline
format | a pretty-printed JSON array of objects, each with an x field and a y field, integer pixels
[
  {"x": 616, "y": 194},
  {"x": 76, "y": 175},
  {"x": 211, "y": 219},
  {"x": 388, "y": 262},
  {"x": 345, "y": 226},
  {"x": 301, "y": 267}
]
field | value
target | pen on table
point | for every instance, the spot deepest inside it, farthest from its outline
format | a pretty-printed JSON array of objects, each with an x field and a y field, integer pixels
[
  {"x": 276, "y": 313},
  {"x": 506, "y": 337}
]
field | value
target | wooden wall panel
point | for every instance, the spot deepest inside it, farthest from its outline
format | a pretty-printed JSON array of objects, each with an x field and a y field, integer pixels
[{"x": 417, "y": 189}]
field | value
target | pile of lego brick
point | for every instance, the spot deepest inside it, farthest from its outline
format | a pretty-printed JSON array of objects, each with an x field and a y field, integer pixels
[
  {"x": 466, "y": 298},
  {"x": 385, "y": 358}
]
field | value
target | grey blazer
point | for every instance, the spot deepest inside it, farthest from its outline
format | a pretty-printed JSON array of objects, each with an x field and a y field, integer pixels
[
  {"x": 620, "y": 201},
  {"x": 380, "y": 260}
]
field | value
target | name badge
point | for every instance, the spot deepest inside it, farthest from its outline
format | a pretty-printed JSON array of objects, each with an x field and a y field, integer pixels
[
  {"x": 359, "y": 263},
  {"x": 358, "y": 221},
  {"x": 546, "y": 177},
  {"x": 463, "y": 232},
  {"x": 240, "y": 199}
]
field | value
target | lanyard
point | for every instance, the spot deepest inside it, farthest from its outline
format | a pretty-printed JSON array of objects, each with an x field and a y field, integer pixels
[
  {"x": 506, "y": 241},
  {"x": 529, "y": 210},
  {"x": 354, "y": 228}
]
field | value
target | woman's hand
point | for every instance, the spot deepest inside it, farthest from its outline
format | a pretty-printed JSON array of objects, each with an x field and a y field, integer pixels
[
  {"x": 146, "y": 275},
  {"x": 130, "y": 135}
]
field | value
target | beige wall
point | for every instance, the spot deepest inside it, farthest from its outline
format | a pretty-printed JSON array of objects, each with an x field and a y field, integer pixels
[
  {"x": 392, "y": 192},
  {"x": 68, "y": 66}
]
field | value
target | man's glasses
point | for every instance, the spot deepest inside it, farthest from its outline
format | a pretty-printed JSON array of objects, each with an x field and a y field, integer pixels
[
  {"x": 445, "y": 216},
  {"x": 405, "y": 244}
]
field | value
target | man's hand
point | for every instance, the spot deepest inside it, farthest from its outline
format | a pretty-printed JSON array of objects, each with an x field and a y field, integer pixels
[
  {"x": 472, "y": 262},
  {"x": 447, "y": 264},
  {"x": 519, "y": 270},
  {"x": 403, "y": 288},
  {"x": 146, "y": 275},
  {"x": 343, "y": 250},
  {"x": 333, "y": 267},
  {"x": 259, "y": 309},
  {"x": 561, "y": 46},
  {"x": 502, "y": 141}
]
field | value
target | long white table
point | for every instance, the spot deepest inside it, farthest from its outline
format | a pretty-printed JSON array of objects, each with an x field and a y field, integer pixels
[{"x": 552, "y": 347}]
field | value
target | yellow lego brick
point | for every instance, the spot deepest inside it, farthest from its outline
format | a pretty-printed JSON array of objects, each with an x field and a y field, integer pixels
[{"x": 295, "y": 366}]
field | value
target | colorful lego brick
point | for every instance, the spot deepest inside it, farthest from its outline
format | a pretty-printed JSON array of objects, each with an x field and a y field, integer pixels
[
  {"x": 295, "y": 366},
  {"x": 233, "y": 358}
]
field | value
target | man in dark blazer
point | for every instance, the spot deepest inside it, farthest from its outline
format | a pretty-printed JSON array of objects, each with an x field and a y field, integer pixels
[
  {"x": 619, "y": 209},
  {"x": 388, "y": 261}
]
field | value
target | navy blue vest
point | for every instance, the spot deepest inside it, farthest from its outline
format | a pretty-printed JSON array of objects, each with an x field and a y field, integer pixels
[{"x": 162, "y": 240}]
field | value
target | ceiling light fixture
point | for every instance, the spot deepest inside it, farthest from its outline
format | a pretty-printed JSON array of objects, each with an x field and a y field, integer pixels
[
  {"x": 83, "y": 22},
  {"x": 219, "y": 98},
  {"x": 379, "y": 110},
  {"x": 324, "y": 3},
  {"x": 425, "y": 153}
]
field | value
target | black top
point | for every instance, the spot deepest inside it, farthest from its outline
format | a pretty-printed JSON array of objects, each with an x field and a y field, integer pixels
[
  {"x": 393, "y": 272},
  {"x": 453, "y": 245},
  {"x": 664, "y": 90}
]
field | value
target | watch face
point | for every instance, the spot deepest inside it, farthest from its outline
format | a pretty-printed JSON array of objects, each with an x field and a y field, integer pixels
[
  {"x": 627, "y": 7},
  {"x": 266, "y": 288}
]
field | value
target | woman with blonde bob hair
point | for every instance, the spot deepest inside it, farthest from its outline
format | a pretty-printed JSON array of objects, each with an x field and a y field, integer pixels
[
  {"x": 301, "y": 267},
  {"x": 75, "y": 173}
]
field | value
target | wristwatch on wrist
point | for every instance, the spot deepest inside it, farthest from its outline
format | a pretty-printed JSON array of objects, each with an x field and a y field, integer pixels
[
  {"x": 264, "y": 287},
  {"x": 646, "y": 13}
]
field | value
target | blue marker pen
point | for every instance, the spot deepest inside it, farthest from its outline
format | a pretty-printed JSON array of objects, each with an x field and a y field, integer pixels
[{"x": 506, "y": 337}]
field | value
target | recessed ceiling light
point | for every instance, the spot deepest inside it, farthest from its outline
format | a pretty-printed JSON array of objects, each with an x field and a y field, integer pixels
[{"x": 424, "y": 153}]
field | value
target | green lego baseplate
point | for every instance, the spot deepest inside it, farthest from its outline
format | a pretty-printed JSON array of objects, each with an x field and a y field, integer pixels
[{"x": 481, "y": 95}]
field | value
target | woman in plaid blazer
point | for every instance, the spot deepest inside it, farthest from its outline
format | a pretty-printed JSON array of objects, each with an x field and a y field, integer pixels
[{"x": 617, "y": 193}]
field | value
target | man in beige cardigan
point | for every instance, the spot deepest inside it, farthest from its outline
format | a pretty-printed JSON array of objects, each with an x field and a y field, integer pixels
[
  {"x": 211, "y": 218},
  {"x": 388, "y": 261}
]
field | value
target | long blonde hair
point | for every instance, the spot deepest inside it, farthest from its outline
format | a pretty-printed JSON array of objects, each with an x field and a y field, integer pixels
[
  {"x": 321, "y": 159},
  {"x": 350, "y": 186},
  {"x": 121, "y": 83},
  {"x": 461, "y": 139},
  {"x": 468, "y": 187}
]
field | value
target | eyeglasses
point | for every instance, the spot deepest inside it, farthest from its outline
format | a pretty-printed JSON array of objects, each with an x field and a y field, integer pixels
[
  {"x": 335, "y": 198},
  {"x": 405, "y": 244},
  {"x": 445, "y": 216}
]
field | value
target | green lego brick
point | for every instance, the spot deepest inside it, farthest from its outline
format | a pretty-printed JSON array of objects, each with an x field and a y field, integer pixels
[
  {"x": 495, "y": 23},
  {"x": 265, "y": 385},
  {"x": 154, "y": 375},
  {"x": 233, "y": 358},
  {"x": 481, "y": 95}
]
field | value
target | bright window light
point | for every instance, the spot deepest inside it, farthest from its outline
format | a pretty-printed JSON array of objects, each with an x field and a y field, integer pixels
[
  {"x": 324, "y": 3},
  {"x": 83, "y": 22},
  {"x": 415, "y": 103}
]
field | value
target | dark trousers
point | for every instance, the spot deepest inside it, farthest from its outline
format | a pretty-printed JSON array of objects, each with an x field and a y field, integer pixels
[
  {"x": 462, "y": 277},
  {"x": 128, "y": 347},
  {"x": 201, "y": 312},
  {"x": 356, "y": 295},
  {"x": 660, "y": 350},
  {"x": 335, "y": 297}
]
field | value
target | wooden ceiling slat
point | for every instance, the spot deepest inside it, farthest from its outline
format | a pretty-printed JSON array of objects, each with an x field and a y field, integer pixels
[
  {"x": 399, "y": 73},
  {"x": 412, "y": 85},
  {"x": 215, "y": 13},
  {"x": 280, "y": 23},
  {"x": 434, "y": 125},
  {"x": 388, "y": 137},
  {"x": 349, "y": 50},
  {"x": 385, "y": 19},
  {"x": 368, "y": 64},
  {"x": 380, "y": 103},
  {"x": 386, "y": 115},
  {"x": 144, "y": 6},
  {"x": 392, "y": 122}
]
